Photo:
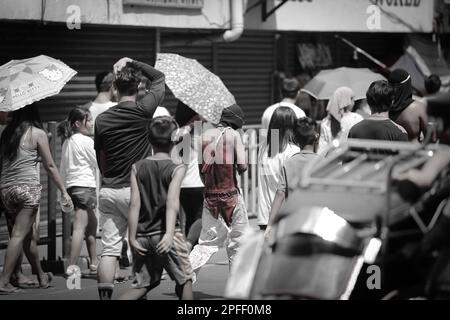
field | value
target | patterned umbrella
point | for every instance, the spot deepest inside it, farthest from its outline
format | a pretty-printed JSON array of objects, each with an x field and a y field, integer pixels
[
  {"x": 23, "y": 82},
  {"x": 323, "y": 85},
  {"x": 193, "y": 84}
]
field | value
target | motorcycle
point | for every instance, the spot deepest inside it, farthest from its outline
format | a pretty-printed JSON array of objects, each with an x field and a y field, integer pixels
[{"x": 346, "y": 231}]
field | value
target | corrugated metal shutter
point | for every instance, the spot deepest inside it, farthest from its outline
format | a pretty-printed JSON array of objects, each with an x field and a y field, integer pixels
[
  {"x": 90, "y": 50},
  {"x": 384, "y": 47},
  {"x": 246, "y": 67}
]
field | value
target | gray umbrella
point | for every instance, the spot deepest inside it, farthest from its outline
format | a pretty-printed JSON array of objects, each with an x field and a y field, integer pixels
[
  {"x": 193, "y": 84},
  {"x": 323, "y": 85}
]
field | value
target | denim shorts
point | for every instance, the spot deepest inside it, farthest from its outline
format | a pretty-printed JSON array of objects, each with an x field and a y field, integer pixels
[
  {"x": 83, "y": 197},
  {"x": 20, "y": 196},
  {"x": 148, "y": 269}
]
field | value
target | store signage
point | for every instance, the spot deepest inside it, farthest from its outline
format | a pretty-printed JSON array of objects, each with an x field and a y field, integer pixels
[
  {"x": 415, "y": 16},
  {"x": 185, "y": 4},
  {"x": 399, "y": 3}
]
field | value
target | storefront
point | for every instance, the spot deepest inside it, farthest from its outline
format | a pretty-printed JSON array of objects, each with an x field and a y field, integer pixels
[
  {"x": 293, "y": 37},
  {"x": 297, "y": 38}
]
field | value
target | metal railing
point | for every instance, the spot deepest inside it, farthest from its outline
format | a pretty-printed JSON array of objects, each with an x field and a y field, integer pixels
[{"x": 248, "y": 181}]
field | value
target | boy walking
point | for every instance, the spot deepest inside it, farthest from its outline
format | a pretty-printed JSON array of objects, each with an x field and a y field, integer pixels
[{"x": 155, "y": 235}]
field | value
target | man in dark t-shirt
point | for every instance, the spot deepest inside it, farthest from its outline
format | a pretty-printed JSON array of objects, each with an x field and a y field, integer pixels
[
  {"x": 121, "y": 139},
  {"x": 378, "y": 129},
  {"x": 378, "y": 126}
]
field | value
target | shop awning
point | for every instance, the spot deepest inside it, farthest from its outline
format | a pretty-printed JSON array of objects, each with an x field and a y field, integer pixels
[{"x": 421, "y": 59}]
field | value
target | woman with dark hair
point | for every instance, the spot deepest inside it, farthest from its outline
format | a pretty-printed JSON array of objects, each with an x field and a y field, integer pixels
[
  {"x": 18, "y": 279},
  {"x": 22, "y": 142},
  {"x": 78, "y": 169},
  {"x": 305, "y": 136},
  {"x": 340, "y": 119},
  {"x": 275, "y": 150}
]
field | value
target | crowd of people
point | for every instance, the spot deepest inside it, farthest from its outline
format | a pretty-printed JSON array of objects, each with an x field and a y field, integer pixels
[{"x": 119, "y": 169}]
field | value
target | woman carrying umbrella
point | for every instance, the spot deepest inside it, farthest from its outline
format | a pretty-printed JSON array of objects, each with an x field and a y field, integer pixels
[
  {"x": 22, "y": 142},
  {"x": 340, "y": 119}
]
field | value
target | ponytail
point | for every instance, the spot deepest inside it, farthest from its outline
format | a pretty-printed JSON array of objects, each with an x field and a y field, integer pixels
[{"x": 66, "y": 128}]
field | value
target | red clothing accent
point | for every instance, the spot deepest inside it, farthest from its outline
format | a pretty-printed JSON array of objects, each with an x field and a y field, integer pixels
[
  {"x": 223, "y": 206},
  {"x": 219, "y": 175}
]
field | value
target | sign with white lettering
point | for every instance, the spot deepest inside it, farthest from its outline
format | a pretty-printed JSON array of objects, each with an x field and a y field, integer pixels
[{"x": 345, "y": 15}]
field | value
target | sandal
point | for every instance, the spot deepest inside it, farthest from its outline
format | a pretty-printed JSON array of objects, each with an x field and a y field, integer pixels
[
  {"x": 120, "y": 278},
  {"x": 24, "y": 284},
  {"x": 93, "y": 269},
  {"x": 45, "y": 283},
  {"x": 5, "y": 291},
  {"x": 90, "y": 273}
]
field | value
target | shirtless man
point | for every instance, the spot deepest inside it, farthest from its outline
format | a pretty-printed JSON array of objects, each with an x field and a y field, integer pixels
[{"x": 405, "y": 111}]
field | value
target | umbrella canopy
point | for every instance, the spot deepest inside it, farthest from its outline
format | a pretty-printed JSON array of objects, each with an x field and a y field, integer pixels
[
  {"x": 193, "y": 84},
  {"x": 23, "y": 82},
  {"x": 323, "y": 85}
]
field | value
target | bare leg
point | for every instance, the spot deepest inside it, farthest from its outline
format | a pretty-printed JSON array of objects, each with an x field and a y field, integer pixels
[
  {"x": 31, "y": 250},
  {"x": 22, "y": 227},
  {"x": 118, "y": 275},
  {"x": 35, "y": 227},
  {"x": 91, "y": 232},
  {"x": 107, "y": 269},
  {"x": 105, "y": 276},
  {"x": 187, "y": 291},
  {"x": 17, "y": 275},
  {"x": 79, "y": 227}
]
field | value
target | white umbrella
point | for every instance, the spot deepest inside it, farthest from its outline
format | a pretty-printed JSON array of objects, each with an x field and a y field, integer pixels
[
  {"x": 323, "y": 85},
  {"x": 23, "y": 82}
]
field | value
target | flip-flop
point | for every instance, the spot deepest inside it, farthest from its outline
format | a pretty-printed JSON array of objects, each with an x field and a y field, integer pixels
[
  {"x": 5, "y": 291},
  {"x": 26, "y": 284},
  {"x": 120, "y": 279},
  {"x": 46, "y": 285},
  {"x": 93, "y": 269}
]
